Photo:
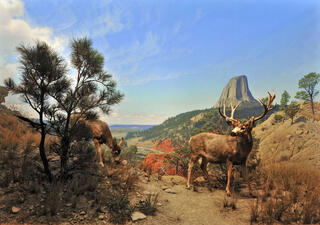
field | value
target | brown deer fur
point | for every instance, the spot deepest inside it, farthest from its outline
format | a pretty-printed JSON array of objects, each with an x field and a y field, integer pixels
[
  {"x": 230, "y": 149},
  {"x": 101, "y": 134}
]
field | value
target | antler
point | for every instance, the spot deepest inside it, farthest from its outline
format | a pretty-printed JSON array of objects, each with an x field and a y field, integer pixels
[
  {"x": 229, "y": 119},
  {"x": 267, "y": 107}
]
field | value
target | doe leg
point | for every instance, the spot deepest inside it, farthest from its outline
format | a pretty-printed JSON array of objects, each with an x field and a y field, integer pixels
[{"x": 99, "y": 152}]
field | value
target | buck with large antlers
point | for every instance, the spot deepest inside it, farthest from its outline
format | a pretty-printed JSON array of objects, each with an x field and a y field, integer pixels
[
  {"x": 230, "y": 149},
  {"x": 101, "y": 134}
]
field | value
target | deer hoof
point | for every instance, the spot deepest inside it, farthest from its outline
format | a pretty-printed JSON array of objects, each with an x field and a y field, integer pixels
[{"x": 101, "y": 164}]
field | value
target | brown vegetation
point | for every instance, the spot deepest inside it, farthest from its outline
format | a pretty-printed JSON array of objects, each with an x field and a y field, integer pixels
[{"x": 289, "y": 193}]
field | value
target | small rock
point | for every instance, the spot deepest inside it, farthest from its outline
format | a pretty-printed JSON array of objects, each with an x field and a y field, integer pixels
[
  {"x": 101, "y": 217},
  {"x": 200, "y": 179},
  {"x": 169, "y": 190},
  {"x": 137, "y": 216},
  {"x": 69, "y": 204},
  {"x": 15, "y": 209},
  {"x": 124, "y": 162},
  {"x": 82, "y": 213},
  {"x": 159, "y": 204}
]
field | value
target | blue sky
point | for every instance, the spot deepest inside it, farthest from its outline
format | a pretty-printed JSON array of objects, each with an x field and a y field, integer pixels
[{"x": 170, "y": 57}]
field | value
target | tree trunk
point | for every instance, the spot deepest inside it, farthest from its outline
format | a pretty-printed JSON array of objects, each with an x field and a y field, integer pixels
[
  {"x": 177, "y": 167},
  {"x": 43, "y": 155},
  {"x": 311, "y": 101},
  {"x": 64, "y": 157}
]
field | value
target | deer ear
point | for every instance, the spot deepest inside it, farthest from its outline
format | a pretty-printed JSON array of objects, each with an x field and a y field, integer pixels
[{"x": 121, "y": 142}]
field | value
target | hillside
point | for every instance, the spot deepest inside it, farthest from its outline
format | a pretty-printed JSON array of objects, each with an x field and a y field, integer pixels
[
  {"x": 298, "y": 142},
  {"x": 181, "y": 127}
]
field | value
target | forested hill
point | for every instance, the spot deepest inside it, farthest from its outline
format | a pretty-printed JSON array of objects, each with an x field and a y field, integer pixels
[{"x": 183, "y": 126}]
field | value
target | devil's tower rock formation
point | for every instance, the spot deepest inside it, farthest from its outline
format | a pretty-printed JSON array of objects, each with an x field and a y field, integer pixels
[{"x": 236, "y": 91}]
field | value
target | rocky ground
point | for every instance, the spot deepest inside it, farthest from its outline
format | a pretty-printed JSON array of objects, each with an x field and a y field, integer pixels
[{"x": 175, "y": 204}]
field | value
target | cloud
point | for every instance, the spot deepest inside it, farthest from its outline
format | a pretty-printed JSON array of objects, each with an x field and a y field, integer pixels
[
  {"x": 14, "y": 30},
  {"x": 138, "y": 63}
]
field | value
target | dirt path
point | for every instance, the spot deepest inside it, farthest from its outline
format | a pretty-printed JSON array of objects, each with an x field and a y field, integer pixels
[{"x": 182, "y": 206}]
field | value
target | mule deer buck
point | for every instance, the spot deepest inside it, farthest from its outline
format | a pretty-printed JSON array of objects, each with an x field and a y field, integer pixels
[
  {"x": 230, "y": 149},
  {"x": 101, "y": 134}
]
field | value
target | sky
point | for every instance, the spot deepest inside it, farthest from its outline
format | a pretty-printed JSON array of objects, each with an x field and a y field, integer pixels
[{"x": 170, "y": 57}]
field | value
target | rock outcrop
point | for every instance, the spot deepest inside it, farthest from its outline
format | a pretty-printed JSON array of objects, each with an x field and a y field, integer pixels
[{"x": 236, "y": 91}]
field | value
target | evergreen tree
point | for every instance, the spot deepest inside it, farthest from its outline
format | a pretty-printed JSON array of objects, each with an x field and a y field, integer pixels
[
  {"x": 285, "y": 97},
  {"x": 292, "y": 110},
  {"x": 46, "y": 88},
  {"x": 41, "y": 70},
  {"x": 308, "y": 84}
]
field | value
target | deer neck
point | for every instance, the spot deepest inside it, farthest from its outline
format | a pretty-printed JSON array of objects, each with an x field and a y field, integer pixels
[{"x": 246, "y": 141}]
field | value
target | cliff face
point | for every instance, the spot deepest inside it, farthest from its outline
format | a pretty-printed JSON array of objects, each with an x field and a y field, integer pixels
[{"x": 236, "y": 91}]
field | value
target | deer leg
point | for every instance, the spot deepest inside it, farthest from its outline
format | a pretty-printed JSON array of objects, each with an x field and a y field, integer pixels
[
  {"x": 229, "y": 167},
  {"x": 203, "y": 166},
  {"x": 192, "y": 161},
  {"x": 99, "y": 152},
  {"x": 245, "y": 176}
]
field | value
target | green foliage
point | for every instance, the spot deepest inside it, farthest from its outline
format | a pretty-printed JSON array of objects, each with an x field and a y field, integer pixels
[
  {"x": 180, "y": 158},
  {"x": 292, "y": 110},
  {"x": 47, "y": 89},
  {"x": 285, "y": 97},
  {"x": 129, "y": 154},
  {"x": 181, "y": 127},
  {"x": 278, "y": 119},
  {"x": 308, "y": 84}
]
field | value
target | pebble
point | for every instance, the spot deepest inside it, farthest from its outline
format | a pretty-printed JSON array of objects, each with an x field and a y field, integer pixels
[
  {"x": 138, "y": 216},
  {"x": 170, "y": 191},
  {"x": 101, "y": 217},
  {"x": 15, "y": 209}
]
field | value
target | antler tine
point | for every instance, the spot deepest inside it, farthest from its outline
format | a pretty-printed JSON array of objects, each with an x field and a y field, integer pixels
[
  {"x": 267, "y": 107},
  {"x": 224, "y": 111},
  {"x": 233, "y": 109}
]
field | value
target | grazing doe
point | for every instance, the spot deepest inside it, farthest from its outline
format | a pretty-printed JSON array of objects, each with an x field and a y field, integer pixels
[
  {"x": 101, "y": 134},
  {"x": 230, "y": 149}
]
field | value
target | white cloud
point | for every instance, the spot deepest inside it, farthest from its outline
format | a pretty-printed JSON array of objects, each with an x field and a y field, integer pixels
[{"x": 14, "y": 31}]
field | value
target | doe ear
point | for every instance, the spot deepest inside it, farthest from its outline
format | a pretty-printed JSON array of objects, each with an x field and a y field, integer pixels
[{"x": 121, "y": 142}]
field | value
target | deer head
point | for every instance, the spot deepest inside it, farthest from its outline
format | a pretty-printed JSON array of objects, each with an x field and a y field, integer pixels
[
  {"x": 117, "y": 147},
  {"x": 239, "y": 128}
]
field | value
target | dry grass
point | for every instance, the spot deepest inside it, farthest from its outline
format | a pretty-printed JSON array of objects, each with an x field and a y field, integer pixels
[
  {"x": 289, "y": 193},
  {"x": 17, "y": 145},
  {"x": 306, "y": 110}
]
